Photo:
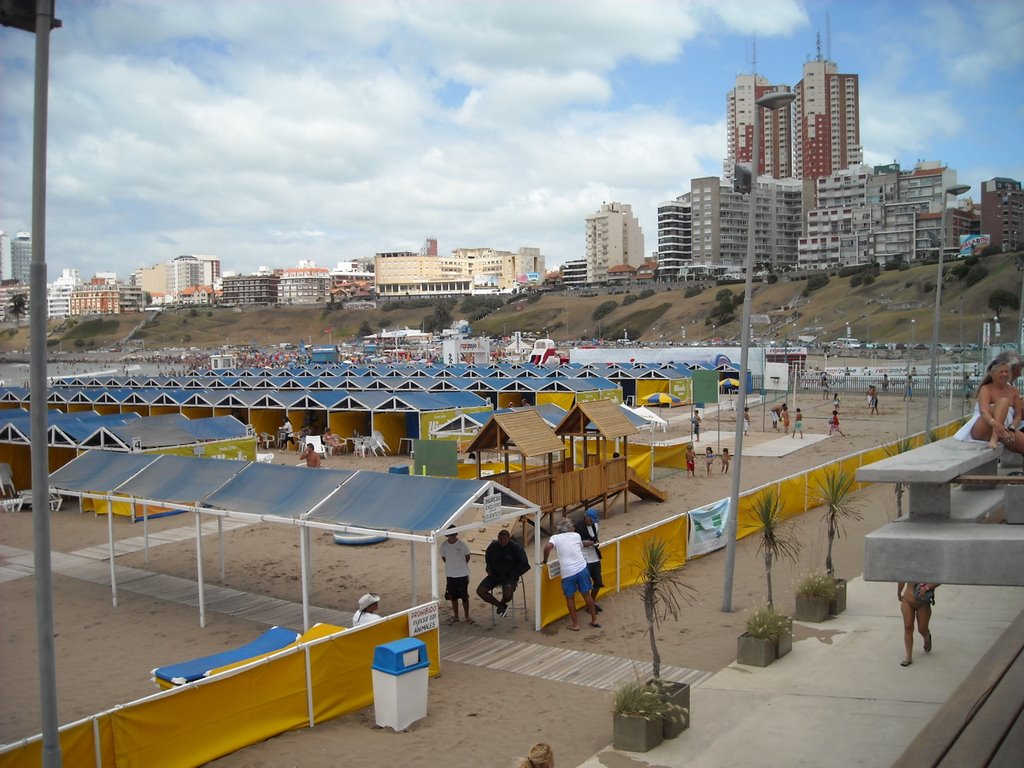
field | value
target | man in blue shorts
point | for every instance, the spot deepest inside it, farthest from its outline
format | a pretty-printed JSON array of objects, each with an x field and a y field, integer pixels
[{"x": 568, "y": 547}]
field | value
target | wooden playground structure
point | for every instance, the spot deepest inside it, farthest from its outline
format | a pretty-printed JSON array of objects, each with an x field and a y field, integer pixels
[{"x": 553, "y": 480}]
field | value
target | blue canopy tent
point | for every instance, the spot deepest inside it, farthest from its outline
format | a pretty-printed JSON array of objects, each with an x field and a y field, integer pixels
[{"x": 402, "y": 507}]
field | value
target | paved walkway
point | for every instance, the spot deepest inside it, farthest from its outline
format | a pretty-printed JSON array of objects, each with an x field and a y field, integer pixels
[{"x": 840, "y": 698}]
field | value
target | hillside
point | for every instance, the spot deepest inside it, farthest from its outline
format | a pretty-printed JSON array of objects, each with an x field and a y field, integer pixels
[{"x": 881, "y": 311}]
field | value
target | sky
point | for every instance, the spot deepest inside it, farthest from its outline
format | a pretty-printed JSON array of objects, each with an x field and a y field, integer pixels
[{"x": 267, "y": 133}]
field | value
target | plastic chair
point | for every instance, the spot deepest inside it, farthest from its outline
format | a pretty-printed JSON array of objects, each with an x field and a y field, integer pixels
[
  {"x": 378, "y": 444},
  {"x": 316, "y": 442},
  {"x": 513, "y": 605}
]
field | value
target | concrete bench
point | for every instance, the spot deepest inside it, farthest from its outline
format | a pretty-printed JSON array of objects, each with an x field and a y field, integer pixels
[
  {"x": 940, "y": 540},
  {"x": 928, "y": 473}
]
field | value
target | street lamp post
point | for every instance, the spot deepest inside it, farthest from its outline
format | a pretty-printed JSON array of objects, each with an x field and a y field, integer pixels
[
  {"x": 38, "y": 17},
  {"x": 772, "y": 101},
  {"x": 955, "y": 190},
  {"x": 908, "y": 393}
]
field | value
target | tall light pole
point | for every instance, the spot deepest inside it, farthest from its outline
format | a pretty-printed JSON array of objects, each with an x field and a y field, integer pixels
[
  {"x": 955, "y": 191},
  {"x": 908, "y": 393},
  {"x": 38, "y": 17},
  {"x": 772, "y": 101}
]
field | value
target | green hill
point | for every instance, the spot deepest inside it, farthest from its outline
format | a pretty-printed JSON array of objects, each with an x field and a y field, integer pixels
[{"x": 881, "y": 311}]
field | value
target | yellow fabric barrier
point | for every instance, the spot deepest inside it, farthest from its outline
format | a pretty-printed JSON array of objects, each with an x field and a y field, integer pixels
[
  {"x": 640, "y": 462},
  {"x": 561, "y": 399},
  {"x": 315, "y": 633},
  {"x": 77, "y": 746},
  {"x": 793, "y": 492},
  {"x": 671, "y": 456}
]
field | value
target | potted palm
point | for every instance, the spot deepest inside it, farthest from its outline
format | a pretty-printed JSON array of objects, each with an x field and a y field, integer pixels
[
  {"x": 663, "y": 592},
  {"x": 769, "y": 636},
  {"x": 638, "y": 712},
  {"x": 895, "y": 449},
  {"x": 834, "y": 492},
  {"x": 814, "y": 591}
]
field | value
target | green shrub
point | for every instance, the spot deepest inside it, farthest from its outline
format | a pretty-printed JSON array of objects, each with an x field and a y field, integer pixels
[
  {"x": 628, "y": 299},
  {"x": 605, "y": 308},
  {"x": 772, "y": 278},
  {"x": 976, "y": 275},
  {"x": 903, "y": 267},
  {"x": 693, "y": 290},
  {"x": 723, "y": 294},
  {"x": 765, "y": 623},
  {"x": 534, "y": 297},
  {"x": 639, "y": 699},
  {"x": 816, "y": 281},
  {"x": 646, "y": 293},
  {"x": 856, "y": 280},
  {"x": 816, "y": 584}
]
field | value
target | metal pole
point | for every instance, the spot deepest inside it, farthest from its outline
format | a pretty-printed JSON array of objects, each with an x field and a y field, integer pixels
[
  {"x": 37, "y": 401},
  {"x": 769, "y": 101},
  {"x": 936, "y": 319}
]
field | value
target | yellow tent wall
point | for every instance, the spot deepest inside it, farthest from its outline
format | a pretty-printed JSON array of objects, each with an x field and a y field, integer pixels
[
  {"x": 429, "y": 419},
  {"x": 561, "y": 399},
  {"x": 391, "y": 426},
  {"x": 349, "y": 423}
]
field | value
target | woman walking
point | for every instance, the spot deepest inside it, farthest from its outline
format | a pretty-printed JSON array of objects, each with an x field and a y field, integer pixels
[{"x": 916, "y": 602}]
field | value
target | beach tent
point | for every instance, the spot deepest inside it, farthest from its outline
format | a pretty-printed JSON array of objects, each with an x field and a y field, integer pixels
[{"x": 401, "y": 507}]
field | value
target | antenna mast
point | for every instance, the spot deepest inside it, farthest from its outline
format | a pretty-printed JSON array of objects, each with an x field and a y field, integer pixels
[{"x": 828, "y": 37}]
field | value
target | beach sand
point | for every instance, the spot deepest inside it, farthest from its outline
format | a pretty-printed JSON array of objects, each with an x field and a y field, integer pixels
[{"x": 476, "y": 716}]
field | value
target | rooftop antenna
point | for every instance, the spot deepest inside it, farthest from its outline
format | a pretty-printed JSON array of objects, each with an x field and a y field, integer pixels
[
  {"x": 753, "y": 57},
  {"x": 828, "y": 37},
  {"x": 817, "y": 38}
]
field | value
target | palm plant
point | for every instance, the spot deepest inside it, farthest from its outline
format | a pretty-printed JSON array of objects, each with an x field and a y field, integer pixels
[
  {"x": 774, "y": 542},
  {"x": 834, "y": 494},
  {"x": 662, "y": 590}
]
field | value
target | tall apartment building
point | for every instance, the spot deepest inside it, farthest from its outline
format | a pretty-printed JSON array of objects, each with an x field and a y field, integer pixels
[
  {"x": 719, "y": 218},
  {"x": 16, "y": 259},
  {"x": 776, "y": 147},
  {"x": 675, "y": 238},
  {"x": 5, "y": 256},
  {"x": 612, "y": 236},
  {"x": 1002, "y": 213},
  {"x": 827, "y": 121}
]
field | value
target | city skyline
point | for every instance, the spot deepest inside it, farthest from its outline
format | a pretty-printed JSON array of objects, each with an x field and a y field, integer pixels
[{"x": 266, "y": 138}]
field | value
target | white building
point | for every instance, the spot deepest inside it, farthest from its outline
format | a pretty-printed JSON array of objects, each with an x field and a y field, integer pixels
[
  {"x": 58, "y": 293},
  {"x": 612, "y": 236},
  {"x": 675, "y": 238}
]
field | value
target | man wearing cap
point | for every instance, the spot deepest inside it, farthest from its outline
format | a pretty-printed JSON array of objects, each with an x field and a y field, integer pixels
[
  {"x": 367, "y": 613},
  {"x": 455, "y": 555},
  {"x": 587, "y": 528},
  {"x": 568, "y": 547}
]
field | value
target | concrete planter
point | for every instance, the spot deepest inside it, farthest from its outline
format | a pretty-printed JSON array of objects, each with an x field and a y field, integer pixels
[
  {"x": 838, "y": 603},
  {"x": 813, "y": 609},
  {"x": 755, "y": 652},
  {"x": 678, "y": 695},
  {"x": 634, "y": 734},
  {"x": 785, "y": 642}
]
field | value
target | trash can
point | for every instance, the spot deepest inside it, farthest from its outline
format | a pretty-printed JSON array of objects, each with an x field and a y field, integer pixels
[{"x": 400, "y": 671}]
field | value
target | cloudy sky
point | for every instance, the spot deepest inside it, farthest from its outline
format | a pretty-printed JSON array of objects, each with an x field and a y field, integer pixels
[{"x": 266, "y": 132}]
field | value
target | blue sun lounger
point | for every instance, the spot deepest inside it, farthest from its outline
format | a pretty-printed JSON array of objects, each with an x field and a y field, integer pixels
[{"x": 274, "y": 639}]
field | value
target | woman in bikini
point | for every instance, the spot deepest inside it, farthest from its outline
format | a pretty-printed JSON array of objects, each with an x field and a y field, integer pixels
[
  {"x": 915, "y": 603},
  {"x": 997, "y": 412}
]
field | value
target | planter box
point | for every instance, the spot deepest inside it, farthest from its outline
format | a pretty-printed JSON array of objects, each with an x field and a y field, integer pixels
[
  {"x": 634, "y": 734},
  {"x": 754, "y": 652},
  {"x": 678, "y": 695},
  {"x": 838, "y": 603},
  {"x": 813, "y": 609},
  {"x": 785, "y": 642}
]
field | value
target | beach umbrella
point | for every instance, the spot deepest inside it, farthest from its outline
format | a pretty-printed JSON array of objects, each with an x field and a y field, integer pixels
[{"x": 662, "y": 398}]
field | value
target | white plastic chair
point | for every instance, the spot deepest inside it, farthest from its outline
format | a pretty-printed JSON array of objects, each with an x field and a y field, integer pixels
[
  {"x": 378, "y": 444},
  {"x": 316, "y": 442}
]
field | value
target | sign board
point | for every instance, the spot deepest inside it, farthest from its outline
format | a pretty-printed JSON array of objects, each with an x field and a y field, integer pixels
[
  {"x": 554, "y": 569},
  {"x": 492, "y": 506},
  {"x": 423, "y": 619},
  {"x": 707, "y": 528}
]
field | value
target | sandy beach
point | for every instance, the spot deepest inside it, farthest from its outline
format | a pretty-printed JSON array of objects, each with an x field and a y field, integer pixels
[{"x": 477, "y": 716}]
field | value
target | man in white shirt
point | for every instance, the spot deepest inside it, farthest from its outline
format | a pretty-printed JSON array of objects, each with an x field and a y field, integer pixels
[
  {"x": 367, "y": 613},
  {"x": 568, "y": 547},
  {"x": 455, "y": 554},
  {"x": 588, "y": 528}
]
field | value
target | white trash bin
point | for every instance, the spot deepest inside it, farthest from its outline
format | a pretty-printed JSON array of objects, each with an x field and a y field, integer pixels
[{"x": 400, "y": 671}]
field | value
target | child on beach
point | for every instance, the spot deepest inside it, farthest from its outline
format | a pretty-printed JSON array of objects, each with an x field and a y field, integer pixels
[
  {"x": 696, "y": 425},
  {"x": 785, "y": 420},
  {"x": 798, "y": 424},
  {"x": 691, "y": 461},
  {"x": 725, "y": 461},
  {"x": 710, "y": 456},
  {"x": 833, "y": 424},
  {"x": 746, "y": 421}
]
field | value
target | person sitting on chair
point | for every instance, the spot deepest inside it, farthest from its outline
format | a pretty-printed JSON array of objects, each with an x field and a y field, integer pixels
[
  {"x": 505, "y": 561},
  {"x": 367, "y": 612}
]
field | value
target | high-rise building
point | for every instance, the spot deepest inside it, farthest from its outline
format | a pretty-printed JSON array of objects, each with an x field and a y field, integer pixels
[
  {"x": 675, "y": 238},
  {"x": 776, "y": 148},
  {"x": 827, "y": 121},
  {"x": 612, "y": 236},
  {"x": 21, "y": 258},
  {"x": 1002, "y": 213},
  {"x": 5, "y": 256}
]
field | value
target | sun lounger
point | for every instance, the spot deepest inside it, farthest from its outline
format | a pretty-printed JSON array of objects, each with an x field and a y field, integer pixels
[{"x": 274, "y": 639}]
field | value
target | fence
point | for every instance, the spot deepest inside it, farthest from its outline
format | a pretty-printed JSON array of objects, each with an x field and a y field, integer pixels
[{"x": 190, "y": 725}]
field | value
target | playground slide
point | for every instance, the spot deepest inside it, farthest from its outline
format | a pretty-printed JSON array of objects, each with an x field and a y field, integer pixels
[
  {"x": 643, "y": 488},
  {"x": 274, "y": 639}
]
